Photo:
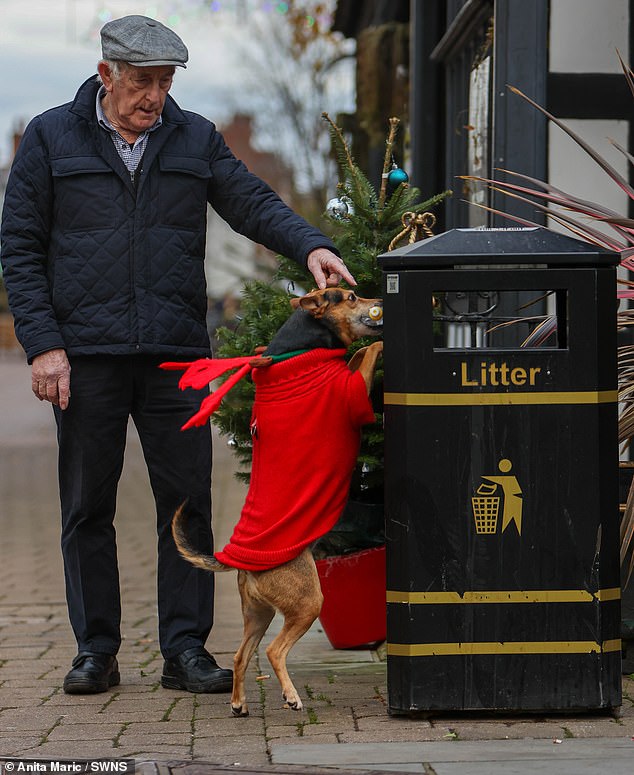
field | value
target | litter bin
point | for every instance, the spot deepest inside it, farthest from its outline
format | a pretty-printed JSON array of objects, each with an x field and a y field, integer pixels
[{"x": 501, "y": 473}]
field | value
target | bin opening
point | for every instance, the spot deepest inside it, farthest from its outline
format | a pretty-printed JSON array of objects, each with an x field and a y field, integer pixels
[{"x": 499, "y": 319}]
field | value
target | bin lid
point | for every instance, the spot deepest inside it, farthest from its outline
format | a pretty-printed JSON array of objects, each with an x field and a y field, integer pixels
[{"x": 535, "y": 246}]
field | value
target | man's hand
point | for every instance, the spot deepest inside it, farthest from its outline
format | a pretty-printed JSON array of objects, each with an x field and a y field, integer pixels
[
  {"x": 50, "y": 377},
  {"x": 328, "y": 269}
]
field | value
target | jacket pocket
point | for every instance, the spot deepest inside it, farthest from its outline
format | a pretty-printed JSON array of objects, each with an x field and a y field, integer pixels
[
  {"x": 187, "y": 165},
  {"x": 81, "y": 186},
  {"x": 182, "y": 190},
  {"x": 78, "y": 165}
]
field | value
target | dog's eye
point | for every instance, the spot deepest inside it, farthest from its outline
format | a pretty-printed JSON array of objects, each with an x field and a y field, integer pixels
[{"x": 352, "y": 297}]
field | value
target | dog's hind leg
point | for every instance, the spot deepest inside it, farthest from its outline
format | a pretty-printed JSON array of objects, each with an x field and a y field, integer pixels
[
  {"x": 257, "y": 615},
  {"x": 296, "y": 593}
]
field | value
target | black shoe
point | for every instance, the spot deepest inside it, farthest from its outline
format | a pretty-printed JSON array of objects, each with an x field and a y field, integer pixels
[
  {"x": 92, "y": 673},
  {"x": 195, "y": 670}
]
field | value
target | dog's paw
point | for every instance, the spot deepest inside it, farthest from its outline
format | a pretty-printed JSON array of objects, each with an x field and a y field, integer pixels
[
  {"x": 293, "y": 703},
  {"x": 239, "y": 711}
]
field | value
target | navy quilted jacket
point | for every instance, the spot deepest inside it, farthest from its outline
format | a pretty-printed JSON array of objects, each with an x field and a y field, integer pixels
[{"x": 97, "y": 265}]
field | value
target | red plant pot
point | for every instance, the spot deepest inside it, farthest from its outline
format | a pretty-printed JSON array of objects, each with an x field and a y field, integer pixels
[{"x": 354, "y": 609}]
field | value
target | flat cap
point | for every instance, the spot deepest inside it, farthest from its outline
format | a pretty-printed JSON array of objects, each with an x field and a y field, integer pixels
[{"x": 143, "y": 42}]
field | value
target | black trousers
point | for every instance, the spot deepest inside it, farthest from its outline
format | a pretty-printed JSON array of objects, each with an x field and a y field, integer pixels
[{"x": 91, "y": 432}]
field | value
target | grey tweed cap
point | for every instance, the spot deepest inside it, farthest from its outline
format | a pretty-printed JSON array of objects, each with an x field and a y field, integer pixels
[{"x": 143, "y": 42}]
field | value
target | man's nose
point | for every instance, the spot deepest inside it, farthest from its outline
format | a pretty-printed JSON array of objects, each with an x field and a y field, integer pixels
[{"x": 153, "y": 91}]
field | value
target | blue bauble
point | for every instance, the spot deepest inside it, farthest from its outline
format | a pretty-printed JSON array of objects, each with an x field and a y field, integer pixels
[{"x": 397, "y": 176}]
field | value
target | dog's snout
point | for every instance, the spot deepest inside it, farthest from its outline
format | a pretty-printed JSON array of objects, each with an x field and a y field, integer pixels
[{"x": 373, "y": 314}]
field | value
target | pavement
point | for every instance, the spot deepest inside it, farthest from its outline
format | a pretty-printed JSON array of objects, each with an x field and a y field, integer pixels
[{"x": 344, "y": 725}]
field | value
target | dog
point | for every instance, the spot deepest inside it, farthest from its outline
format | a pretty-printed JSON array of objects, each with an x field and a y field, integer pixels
[{"x": 323, "y": 324}]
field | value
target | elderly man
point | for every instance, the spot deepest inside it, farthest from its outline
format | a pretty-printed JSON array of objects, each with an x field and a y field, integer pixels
[{"x": 103, "y": 245}]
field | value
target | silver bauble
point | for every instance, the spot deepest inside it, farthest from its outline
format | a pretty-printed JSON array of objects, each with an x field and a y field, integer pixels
[{"x": 338, "y": 208}]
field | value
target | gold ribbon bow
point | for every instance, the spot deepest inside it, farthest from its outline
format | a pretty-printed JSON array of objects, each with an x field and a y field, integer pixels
[{"x": 416, "y": 225}]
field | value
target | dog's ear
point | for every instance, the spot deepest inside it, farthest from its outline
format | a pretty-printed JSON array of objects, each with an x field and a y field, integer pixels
[
  {"x": 314, "y": 303},
  {"x": 296, "y": 301}
]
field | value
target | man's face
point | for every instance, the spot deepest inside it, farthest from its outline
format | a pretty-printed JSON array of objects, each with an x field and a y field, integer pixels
[{"x": 136, "y": 97}]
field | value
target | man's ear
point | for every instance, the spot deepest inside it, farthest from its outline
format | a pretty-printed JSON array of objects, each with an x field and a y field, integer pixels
[{"x": 106, "y": 75}]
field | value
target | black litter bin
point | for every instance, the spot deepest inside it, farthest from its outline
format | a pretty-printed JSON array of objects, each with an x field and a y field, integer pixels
[{"x": 501, "y": 469}]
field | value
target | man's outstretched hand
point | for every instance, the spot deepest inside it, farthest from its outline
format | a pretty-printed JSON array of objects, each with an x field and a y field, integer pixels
[{"x": 328, "y": 269}]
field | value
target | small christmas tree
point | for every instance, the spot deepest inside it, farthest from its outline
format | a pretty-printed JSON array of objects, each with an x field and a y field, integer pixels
[{"x": 364, "y": 225}]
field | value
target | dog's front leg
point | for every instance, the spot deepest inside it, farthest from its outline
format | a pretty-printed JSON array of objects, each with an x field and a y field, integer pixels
[{"x": 364, "y": 361}]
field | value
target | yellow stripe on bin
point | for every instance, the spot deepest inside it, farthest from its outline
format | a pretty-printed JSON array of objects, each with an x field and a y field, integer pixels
[
  {"x": 605, "y": 595},
  {"x": 493, "y": 648},
  {"x": 500, "y": 399},
  {"x": 511, "y": 596}
]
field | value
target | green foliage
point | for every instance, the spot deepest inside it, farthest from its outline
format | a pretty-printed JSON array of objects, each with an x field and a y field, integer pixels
[{"x": 373, "y": 221}]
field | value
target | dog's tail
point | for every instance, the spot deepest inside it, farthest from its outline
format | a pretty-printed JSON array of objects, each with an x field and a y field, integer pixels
[{"x": 205, "y": 561}]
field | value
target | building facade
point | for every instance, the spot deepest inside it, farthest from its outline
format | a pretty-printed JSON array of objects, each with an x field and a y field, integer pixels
[{"x": 462, "y": 118}]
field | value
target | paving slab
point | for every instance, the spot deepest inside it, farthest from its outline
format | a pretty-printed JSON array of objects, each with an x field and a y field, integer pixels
[{"x": 567, "y": 757}]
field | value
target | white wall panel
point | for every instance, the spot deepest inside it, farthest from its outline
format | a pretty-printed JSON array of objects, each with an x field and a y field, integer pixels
[
  {"x": 584, "y": 35},
  {"x": 572, "y": 170}
]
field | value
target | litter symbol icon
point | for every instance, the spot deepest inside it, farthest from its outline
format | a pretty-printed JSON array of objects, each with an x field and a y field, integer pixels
[{"x": 493, "y": 492}]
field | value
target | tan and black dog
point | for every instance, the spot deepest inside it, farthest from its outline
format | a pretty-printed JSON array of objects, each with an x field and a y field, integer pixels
[{"x": 330, "y": 319}]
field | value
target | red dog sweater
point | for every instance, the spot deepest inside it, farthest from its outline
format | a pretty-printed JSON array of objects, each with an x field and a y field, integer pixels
[{"x": 306, "y": 427}]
